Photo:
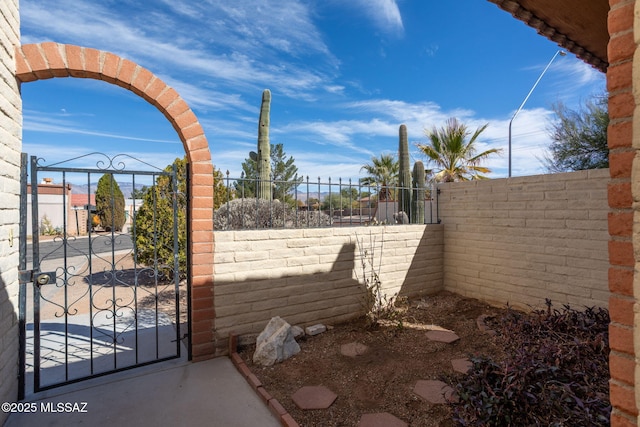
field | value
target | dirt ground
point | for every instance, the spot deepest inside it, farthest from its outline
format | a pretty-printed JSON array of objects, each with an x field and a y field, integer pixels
[{"x": 381, "y": 379}]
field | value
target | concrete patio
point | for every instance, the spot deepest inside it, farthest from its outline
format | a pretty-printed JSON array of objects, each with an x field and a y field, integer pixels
[{"x": 174, "y": 393}]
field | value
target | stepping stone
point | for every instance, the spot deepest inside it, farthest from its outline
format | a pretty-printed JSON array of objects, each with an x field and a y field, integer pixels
[
  {"x": 381, "y": 419},
  {"x": 461, "y": 365},
  {"x": 353, "y": 349},
  {"x": 314, "y": 397},
  {"x": 443, "y": 336},
  {"x": 434, "y": 391}
]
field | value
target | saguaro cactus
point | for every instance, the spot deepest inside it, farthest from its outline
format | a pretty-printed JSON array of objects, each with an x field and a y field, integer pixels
[
  {"x": 419, "y": 194},
  {"x": 263, "y": 190},
  {"x": 404, "y": 181}
]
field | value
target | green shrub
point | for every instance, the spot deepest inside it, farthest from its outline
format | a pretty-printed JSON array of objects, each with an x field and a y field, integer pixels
[{"x": 110, "y": 203}]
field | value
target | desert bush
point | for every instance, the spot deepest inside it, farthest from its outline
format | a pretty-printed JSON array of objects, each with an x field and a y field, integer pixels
[
  {"x": 555, "y": 372},
  {"x": 259, "y": 213},
  {"x": 378, "y": 306}
]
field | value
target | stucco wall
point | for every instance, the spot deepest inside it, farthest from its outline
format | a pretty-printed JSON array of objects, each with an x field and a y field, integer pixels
[
  {"x": 10, "y": 145},
  {"x": 521, "y": 240},
  {"x": 315, "y": 275}
]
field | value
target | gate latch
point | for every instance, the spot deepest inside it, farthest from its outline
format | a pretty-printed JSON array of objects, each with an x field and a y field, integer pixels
[{"x": 39, "y": 278}]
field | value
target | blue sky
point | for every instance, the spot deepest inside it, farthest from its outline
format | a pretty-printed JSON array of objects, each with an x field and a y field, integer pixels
[{"x": 344, "y": 74}]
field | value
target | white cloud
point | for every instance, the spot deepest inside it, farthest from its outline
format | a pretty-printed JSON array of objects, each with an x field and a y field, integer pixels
[
  {"x": 239, "y": 45},
  {"x": 385, "y": 14},
  {"x": 42, "y": 123}
]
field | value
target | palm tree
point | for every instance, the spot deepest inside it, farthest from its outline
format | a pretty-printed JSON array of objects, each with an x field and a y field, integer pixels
[
  {"x": 382, "y": 172},
  {"x": 453, "y": 155}
]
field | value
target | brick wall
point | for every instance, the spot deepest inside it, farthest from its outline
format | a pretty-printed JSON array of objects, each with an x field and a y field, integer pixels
[
  {"x": 314, "y": 275},
  {"x": 622, "y": 194},
  {"x": 521, "y": 240},
  {"x": 10, "y": 145}
]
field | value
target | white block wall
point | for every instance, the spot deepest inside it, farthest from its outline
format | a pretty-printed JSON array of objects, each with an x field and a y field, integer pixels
[
  {"x": 521, "y": 240},
  {"x": 315, "y": 275},
  {"x": 10, "y": 146}
]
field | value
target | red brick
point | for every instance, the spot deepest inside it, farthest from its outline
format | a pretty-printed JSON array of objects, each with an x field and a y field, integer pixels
[
  {"x": 167, "y": 98},
  {"x": 264, "y": 394},
  {"x": 154, "y": 89},
  {"x": 621, "y": 281},
  {"x": 201, "y": 326},
  {"x": 621, "y": 310},
  {"x": 619, "y": 195},
  {"x": 192, "y": 131},
  {"x": 74, "y": 60},
  {"x": 110, "y": 66},
  {"x": 92, "y": 62},
  {"x": 54, "y": 58},
  {"x": 277, "y": 408},
  {"x": 621, "y": 105},
  {"x": 202, "y": 168},
  {"x": 201, "y": 155},
  {"x": 620, "y": 164},
  {"x": 623, "y": 397},
  {"x": 141, "y": 81},
  {"x": 620, "y": 223},
  {"x": 619, "y": 76},
  {"x": 235, "y": 358},
  {"x": 177, "y": 108},
  {"x": 36, "y": 60},
  {"x": 201, "y": 271},
  {"x": 202, "y": 337},
  {"x": 203, "y": 315},
  {"x": 621, "y": 339},
  {"x": 620, "y": 134},
  {"x": 253, "y": 381},
  {"x": 202, "y": 292},
  {"x": 287, "y": 421},
  {"x": 126, "y": 72},
  {"x": 185, "y": 119},
  {"x": 619, "y": 420},
  {"x": 621, "y": 47},
  {"x": 622, "y": 367},
  {"x": 621, "y": 253},
  {"x": 620, "y": 19}
]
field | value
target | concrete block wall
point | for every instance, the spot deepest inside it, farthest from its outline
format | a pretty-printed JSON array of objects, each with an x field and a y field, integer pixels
[
  {"x": 10, "y": 147},
  {"x": 521, "y": 240},
  {"x": 315, "y": 275}
]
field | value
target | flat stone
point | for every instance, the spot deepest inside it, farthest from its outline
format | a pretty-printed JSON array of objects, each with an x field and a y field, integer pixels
[
  {"x": 435, "y": 392},
  {"x": 353, "y": 349},
  {"x": 381, "y": 419},
  {"x": 443, "y": 336},
  {"x": 461, "y": 365},
  {"x": 314, "y": 397},
  {"x": 315, "y": 329}
]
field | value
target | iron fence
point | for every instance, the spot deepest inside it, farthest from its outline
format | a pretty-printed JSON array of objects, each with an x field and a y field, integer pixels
[{"x": 303, "y": 202}]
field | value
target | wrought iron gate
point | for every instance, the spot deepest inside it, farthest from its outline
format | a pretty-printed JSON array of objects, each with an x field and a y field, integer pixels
[{"x": 103, "y": 285}]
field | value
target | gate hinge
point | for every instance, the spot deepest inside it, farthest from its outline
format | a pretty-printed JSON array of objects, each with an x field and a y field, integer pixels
[{"x": 37, "y": 277}]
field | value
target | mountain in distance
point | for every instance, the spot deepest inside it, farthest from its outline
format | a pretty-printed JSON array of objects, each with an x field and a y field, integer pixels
[{"x": 125, "y": 187}]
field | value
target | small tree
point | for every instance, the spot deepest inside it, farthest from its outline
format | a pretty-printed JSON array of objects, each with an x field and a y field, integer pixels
[
  {"x": 154, "y": 223},
  {"x": 110, "y": 203},
  {"x": 579, "y": 137},
  {"x": 283, "y": 173},
  {"x": 154, "y": 220}
]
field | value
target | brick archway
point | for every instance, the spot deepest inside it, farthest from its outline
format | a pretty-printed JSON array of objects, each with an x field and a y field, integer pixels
[{"x": 47, "y": 60}]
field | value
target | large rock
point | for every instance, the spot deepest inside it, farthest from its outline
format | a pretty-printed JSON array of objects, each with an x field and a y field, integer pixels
[{"x": 275, "y": 343}]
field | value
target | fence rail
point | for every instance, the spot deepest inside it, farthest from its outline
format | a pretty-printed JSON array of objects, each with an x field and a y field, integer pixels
[{"x": 302, "y": 202}]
